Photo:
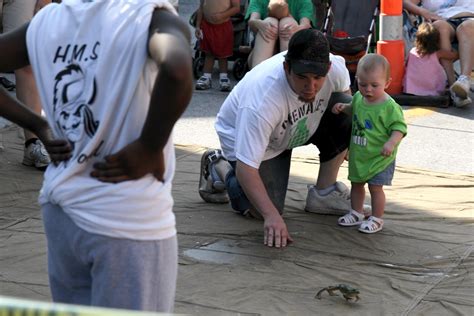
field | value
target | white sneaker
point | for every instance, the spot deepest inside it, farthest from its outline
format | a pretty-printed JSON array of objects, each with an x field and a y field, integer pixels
[
  {"x": 338, "y": 202},
  {"x": 36, "y": 155},
  {"x": 461, "y": 87},
  {"x": 459, "y": 102}
]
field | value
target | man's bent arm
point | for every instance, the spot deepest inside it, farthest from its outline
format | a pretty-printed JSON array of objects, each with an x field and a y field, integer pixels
[{"x": 169, "y": 47}]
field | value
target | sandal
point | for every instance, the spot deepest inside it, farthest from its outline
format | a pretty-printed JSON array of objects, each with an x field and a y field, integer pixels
[
  {"x": 371, "y": 225},
  {"x": 353, "y": 218}
]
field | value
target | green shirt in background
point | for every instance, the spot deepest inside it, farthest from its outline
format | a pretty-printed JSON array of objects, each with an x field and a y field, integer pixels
[
  {"x": 372, "y": 126},
  {"x": 298, "y": 9}
]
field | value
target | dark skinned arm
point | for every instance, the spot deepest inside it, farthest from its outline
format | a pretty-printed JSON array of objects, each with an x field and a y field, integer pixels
[{"x": 169, "y": 47}]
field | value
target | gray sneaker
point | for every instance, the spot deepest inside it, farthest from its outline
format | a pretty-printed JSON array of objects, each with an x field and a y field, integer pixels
[
  {"x": 211, "y": 188},
  {"x": 36, "y": 155},
  {"x": 203, "y": 83},
  {"x": 460, "y": 102},
  {"x": 461, "y": 87},
  {"x": 338, "y": 202},
  {"x": 224, "y": 85}
]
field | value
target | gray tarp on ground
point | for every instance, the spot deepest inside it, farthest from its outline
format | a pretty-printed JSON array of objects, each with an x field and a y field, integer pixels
[{"x": 420, "y": 264}]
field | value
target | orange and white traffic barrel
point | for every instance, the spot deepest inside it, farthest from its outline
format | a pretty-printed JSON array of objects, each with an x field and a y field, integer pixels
[{"x": 391, "y": 43}]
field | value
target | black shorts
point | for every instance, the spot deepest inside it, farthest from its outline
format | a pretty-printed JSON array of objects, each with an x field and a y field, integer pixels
[
  {"x": 455, "y": 22},
  {"x": 334, "y": 131}
]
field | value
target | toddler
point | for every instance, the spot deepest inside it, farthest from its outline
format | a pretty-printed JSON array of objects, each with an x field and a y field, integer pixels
[
  {"x": 424, "y": 74},
  {"x": 377, "y": 128}
]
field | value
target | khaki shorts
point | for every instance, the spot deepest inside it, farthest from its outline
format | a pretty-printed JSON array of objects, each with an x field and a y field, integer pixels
[{"x": 15, "y": 13}]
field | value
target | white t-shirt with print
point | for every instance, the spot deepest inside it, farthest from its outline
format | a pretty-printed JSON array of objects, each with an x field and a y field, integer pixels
[
  {"x": 95, "y": 78},
  {"x": 262, "y": 116}
]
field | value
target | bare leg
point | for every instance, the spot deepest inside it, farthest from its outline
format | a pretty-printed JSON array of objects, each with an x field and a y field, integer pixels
[
  {"x": 446, "y": 32},
  {"x": 263, "y": 49},
  {"x": 223, "y": 65},
  {"x": 27, "y": 93},
  {"x": 377, "y": 197},
  {"x": 465, "y": 35},
  {"x": 288, "y": 22},
  {"x": 208, "y": 63},
  {"x": 357, "y": 197},
  {"x": 328, "y": 171}
]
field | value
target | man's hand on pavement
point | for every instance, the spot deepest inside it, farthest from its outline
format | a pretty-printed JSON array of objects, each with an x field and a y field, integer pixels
[{"x": 275, "y": 232}]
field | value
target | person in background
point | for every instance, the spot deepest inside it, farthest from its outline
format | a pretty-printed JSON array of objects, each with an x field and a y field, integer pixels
[
  {"x": 424, "y": 58},
  {"x": 215, "y": 31},
  {"x": 455, "y": 22},
  {"x": 15, "y": 13},
  {"x": 378, "y": 127},
  {"x": 270, "y": 31}
]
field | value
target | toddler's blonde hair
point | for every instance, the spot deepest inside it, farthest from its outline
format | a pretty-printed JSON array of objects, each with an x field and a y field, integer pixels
[{"x": 370, "y": 62}]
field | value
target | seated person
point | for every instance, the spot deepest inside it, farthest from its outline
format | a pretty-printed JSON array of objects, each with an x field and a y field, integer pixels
[
  {"x": 424, "y": 61},
  {"x": 455, "y": 22},
  {"x": 269, "y": 30}
]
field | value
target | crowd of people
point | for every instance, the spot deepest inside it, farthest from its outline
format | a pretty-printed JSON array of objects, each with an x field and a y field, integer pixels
[{"x": 296, "y": 93}]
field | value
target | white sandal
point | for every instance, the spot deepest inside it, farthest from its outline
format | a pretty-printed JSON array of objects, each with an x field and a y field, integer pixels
[
  {"x": 371, "y": 225},
  {"x": 353, "y": 218}
]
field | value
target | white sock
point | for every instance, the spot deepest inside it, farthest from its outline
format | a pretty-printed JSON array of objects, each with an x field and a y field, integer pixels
[
  {"x": 207, "y": 75},
  {"x": 223, "y": 75}
]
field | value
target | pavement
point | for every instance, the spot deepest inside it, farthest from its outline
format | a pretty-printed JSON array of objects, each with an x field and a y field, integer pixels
[{"x": 439, "y": 140}]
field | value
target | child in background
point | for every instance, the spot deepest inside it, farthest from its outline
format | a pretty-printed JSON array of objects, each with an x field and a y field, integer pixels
[
  {"x": 278, "y": 9},
  {"x": 377, "y": 128},
  {"x": 214, "y": 29},
  {"x": 424, "y": 74}
]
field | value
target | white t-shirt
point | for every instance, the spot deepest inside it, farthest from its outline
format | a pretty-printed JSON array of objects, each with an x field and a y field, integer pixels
[
  {"x": 95, "y": 78},
  {"x": 449, "y": 8},
  {"x": 262, "y": 116}
]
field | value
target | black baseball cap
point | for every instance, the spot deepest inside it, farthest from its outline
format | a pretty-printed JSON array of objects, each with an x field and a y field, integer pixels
[{"x": 308, "y": 52}]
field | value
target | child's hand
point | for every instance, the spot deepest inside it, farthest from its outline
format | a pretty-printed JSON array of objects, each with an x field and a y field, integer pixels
[
  {"x": 338, "y": 108},
  {"x": 387, "y": 149},
  {"x": 198, "y": 33}
]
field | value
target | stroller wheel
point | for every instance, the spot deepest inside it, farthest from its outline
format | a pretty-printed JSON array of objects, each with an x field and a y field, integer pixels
[
  {"x": 198, "y": 65},
  {"x": 240, "y": 68}
]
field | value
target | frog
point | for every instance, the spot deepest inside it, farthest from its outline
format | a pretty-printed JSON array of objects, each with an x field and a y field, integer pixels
[{"x": 350, "y": 293}]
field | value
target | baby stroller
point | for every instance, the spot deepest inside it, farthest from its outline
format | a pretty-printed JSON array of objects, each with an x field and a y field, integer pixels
[
  {"x": 241, "y": 39},
  {"x": 349, "y": 27}
]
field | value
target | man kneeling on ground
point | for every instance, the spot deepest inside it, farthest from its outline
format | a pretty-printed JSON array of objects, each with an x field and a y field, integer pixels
[{"x": 283, "y": 103}]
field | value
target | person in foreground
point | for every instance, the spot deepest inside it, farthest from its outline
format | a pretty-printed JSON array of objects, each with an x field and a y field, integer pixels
[
  {"x": 378, "y": 127},
  {"x": 113, "y": 76},
  {"x": 283, "y": 103}
]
